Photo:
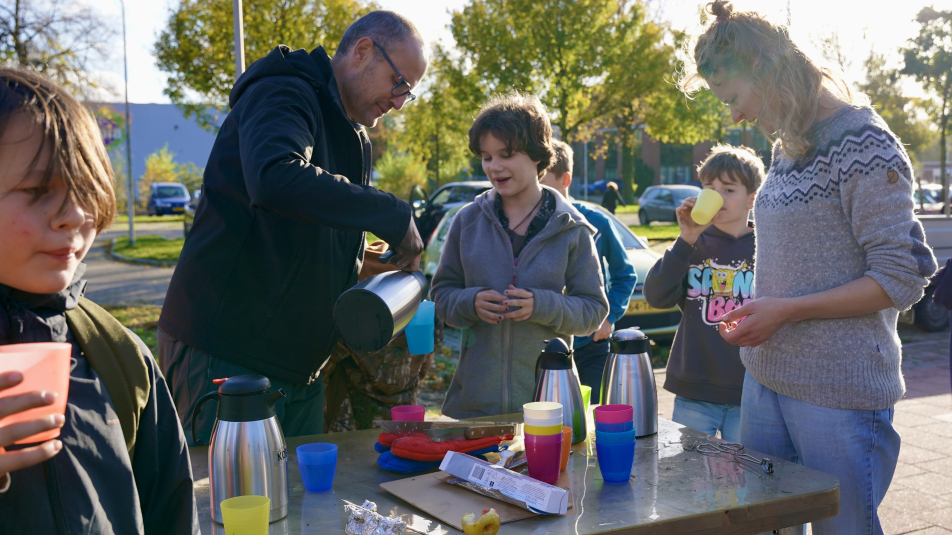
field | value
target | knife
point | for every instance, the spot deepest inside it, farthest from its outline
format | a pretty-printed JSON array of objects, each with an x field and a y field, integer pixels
[{"x": 446, "y": 431}]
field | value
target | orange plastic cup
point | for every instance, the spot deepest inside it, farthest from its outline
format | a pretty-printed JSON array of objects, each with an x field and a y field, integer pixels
[
  {"x": 45, "y": 367},
  {"x": 566, "y": 446}
]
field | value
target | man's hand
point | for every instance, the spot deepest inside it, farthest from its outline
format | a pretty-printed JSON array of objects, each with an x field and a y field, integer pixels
[
  {"x": 489, "y": 306},
  {"x": 20, "y": 459},
  {"x": 690, "y": 231},
  {"x": 519, "y": 298},
  {"x": 407, "y": 254},
  {"x": 603, "y": 332}
]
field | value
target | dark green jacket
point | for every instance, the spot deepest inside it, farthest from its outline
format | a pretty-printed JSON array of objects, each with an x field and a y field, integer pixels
[{"x": 278, "y": 233}]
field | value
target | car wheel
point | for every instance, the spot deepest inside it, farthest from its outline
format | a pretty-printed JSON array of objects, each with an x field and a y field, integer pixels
[
  {"x": 151, "y": 211},
  {"x": 931, "y": 316},
  {"x": 643, "y": 218}
]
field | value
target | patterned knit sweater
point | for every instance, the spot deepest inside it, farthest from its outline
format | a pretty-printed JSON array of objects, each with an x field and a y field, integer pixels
[{"x": 843, "y": 212}]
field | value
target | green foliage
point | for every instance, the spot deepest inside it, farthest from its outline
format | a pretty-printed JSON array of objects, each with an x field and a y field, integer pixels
[
  {"x": 435, "y": 128},
  {"x": 929, "y": 60},
  {"x": 160, "y": 166},
  {"x": 196, "y": 49},
  {"x": 901, "y": 113},
  {"x": 399, "y": 172}
]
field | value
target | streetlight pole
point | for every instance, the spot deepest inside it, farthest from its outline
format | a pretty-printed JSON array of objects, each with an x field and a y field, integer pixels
[
  {"x": 239, "y": 40},
  {"x": 130, "y": 196}
]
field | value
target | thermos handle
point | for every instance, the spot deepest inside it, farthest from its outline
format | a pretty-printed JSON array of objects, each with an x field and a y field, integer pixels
[{"x": 196, "y": 411}]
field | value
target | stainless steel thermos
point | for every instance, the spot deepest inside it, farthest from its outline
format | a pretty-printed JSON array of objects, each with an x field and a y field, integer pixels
[
  {"x": 628, "y": 379},
  {"x": 557, "y": 380},
  {"x": 247, "y": 454},
  {"x": 372, "y": 313}
]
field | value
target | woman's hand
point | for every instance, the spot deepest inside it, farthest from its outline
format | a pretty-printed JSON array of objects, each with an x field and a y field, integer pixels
[
  {"x": 755, "y": 322},
  {"x": 690, "y": 231},
  {"x": 489, "y": 306},
  {"x": 519, "y": 298},
  {"x": 11, "y": 461}
]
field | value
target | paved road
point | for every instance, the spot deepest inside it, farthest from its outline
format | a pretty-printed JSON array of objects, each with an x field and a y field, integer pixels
[{"x": 113, "y": 283}]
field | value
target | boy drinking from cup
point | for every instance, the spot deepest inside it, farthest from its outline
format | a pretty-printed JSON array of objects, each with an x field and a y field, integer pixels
[
  {"x": 707, "y": 273},
  {"x": 119, "y": 464}
]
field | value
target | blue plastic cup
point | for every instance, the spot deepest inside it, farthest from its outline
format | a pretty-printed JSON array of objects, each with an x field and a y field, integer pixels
[
  {"x": 420, "y": 329},
  {"x": 615, "y": 428},
  {"x": 318, "y": 464},
  {"x": 620, "y": 437},
  {"x": 615, "y": 460}
]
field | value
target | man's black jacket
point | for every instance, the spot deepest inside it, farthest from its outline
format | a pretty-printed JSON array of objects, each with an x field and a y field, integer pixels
[{"x": 279, "y": 231}]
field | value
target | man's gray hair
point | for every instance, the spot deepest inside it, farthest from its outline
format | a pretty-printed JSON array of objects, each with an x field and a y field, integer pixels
[{"x": 385, "y": 28}]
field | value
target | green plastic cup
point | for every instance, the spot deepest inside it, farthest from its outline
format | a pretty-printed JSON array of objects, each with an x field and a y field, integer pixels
[
  {"x": 586, "y": 396},
  {"x": 246, "y": 515}
]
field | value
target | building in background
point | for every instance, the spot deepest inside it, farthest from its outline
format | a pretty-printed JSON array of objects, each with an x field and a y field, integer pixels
[{"x": 153, "y": 126}]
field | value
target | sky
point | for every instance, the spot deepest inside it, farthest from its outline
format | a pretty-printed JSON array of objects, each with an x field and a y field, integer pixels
[{"x": 883, "y": 25}]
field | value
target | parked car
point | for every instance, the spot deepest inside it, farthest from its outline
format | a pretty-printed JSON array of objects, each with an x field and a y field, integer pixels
[
  {"x": 658, "y": 203},
  {"x": 167, "y": 198},
  {"x": 599, "y": 186},
  {"x": 188, "y": 218},
  {"x": 931, "y": 196},
  {"x": 429, "y": 212},
  {"x": 657, "y": 324}
]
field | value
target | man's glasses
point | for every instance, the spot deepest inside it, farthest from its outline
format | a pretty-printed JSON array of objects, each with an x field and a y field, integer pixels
[{"x": 403, "y": 87}]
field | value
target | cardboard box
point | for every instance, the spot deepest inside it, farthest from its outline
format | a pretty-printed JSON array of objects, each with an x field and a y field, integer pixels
[{"x": 537, "y": 496}]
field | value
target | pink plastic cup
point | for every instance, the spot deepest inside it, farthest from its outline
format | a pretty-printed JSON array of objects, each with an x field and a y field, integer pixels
[
  {"x": 45, "y": 367},
  {"x": 407, "y": 413},
  {"x": 614, "y": 414},
  {"x": 543, "y": 439},
  {"x": 544, "y": 458}
]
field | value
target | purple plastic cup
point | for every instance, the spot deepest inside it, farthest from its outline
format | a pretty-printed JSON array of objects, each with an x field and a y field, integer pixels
[
  {"x": 543, "y": 439},
  {"x": 613, "y": 414},
  {"x": 408, "y": 413},
  {"x": 544, "y": 458}
]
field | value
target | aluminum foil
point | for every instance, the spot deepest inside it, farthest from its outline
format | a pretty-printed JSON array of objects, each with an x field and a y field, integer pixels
[{"x": 365, "y": 520}]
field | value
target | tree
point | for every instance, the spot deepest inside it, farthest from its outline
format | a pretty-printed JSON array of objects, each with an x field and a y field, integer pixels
[
  {"x": 435, "y": 128},
  {"x": 160, "y": 166},
  {"x": 197, "y": 47},
  {"x": 399, "y": 172},
  {"x": 929, "y": 60},
  {"x": 56, "y": 38}
]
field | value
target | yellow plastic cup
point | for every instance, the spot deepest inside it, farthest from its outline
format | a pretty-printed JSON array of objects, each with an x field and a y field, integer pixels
[
  {"x": 707, "y": 205},
  {"x": 538, "y": 430},
  {"x": 246, "y": 515}
]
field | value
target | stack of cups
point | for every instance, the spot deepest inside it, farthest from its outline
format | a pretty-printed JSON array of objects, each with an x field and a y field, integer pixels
[
  {"x": 545, "y": 440},
  {"x": 615, "y": 441}
]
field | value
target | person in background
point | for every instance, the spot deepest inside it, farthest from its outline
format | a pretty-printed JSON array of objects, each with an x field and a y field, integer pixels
[
  {"x": 362, "y": 386},
  {"x": 943, "y": 295},
  {"x": 709, "y": 270},
  {"x": 518, "y": 266},
  {"x": 279, "y": 231},
  {"x": 839, "y": 252},
  {"x": 619, "y": 274},
  {"x": 612, "y": 198},
  {"x": 120, "y": 464}
]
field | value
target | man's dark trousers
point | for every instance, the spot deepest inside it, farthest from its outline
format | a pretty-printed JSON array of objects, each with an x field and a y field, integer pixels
[{"x": 301, "y": 412}]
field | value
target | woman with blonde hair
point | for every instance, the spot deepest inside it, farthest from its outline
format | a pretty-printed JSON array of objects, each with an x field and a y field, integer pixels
[{"x": 838, "y": 252}]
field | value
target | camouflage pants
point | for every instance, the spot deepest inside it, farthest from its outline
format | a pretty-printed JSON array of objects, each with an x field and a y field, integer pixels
[{"x": 362, "y": 386}]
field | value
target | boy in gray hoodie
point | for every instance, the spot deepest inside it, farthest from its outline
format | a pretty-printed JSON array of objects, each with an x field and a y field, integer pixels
[
  {"x": 708, "y": 272},
  {"x": 518, "y": 266}
]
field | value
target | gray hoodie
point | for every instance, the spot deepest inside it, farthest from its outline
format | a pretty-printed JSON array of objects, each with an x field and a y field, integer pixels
[{"x": 496, "y": 372}]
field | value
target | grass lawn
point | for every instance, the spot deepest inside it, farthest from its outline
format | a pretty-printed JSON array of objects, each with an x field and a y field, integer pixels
[
  {"x": 657, "y": 232},
  {"x": 151, "y": 247},
  {"x": 627, "y": 209},
  {"x": 140, "y": 319},
  {"x": 124, "y": 219}
]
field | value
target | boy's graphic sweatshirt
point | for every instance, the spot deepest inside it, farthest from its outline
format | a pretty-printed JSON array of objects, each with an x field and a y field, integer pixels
[{"x": 706, "y": 281}]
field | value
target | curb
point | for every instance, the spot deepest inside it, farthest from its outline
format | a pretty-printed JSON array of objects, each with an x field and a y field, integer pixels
[{"x": 138, "y": 261}]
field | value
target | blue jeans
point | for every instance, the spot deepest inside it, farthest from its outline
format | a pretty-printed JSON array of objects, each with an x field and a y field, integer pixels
[
  {"x": 708, "y": 417},
  {"x": 858, "y": 447}
]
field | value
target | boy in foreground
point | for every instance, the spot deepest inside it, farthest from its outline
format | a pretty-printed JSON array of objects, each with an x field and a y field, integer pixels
[
  {"x": 120, "y": 464},
  {"x": 708, "y": 272}
]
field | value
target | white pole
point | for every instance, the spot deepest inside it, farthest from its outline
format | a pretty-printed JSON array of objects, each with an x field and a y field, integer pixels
[
  {"x": 239, "y": 40},
  {"x": 130, "y": 196}
]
